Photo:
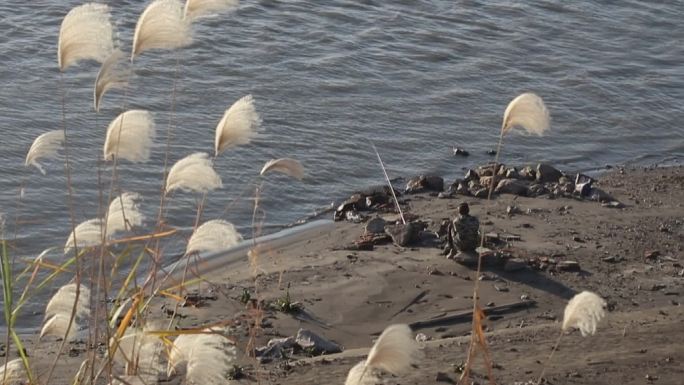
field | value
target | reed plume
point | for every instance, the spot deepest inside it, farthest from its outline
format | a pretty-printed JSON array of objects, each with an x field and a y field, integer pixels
[
  {"x": 193, "y": 173},
  {"x": 527, "y": 111},
  {"x": 238, "y": 126},
  {"x": 124, "y": 213},
  {"x": 14, "y": 373},
  {"x": 209, "y": 357},
  {"x": 161, "y": 26},
  {"x": 140, "y": 353},
  {"x": 130, "y": 136},
  {"x": 114, "y": 74},
  {"x": 86, "y": 34},
  {"x": 394, "y": 352},
  {"x": 287, "y": 166},
  {"x": 45, "y": 146},
  {"x": 213, "y": 235},
  {"x": 584, "y": 311},
  {"x": 195, "y": 9},
  {"x": 87, "y": 234},
  {"x": 59, "y": 309}
]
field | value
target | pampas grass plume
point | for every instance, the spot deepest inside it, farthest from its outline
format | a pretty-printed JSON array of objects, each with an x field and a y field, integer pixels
[
  {"x": 113, "y": 74},
  {"x": 88, "y": 233},
  {"x": 141, "y": 353},
  {"x": 44, "y": 146},
  {"x": 527, "y": 111},
  {"x": 161, "y": 26},
  {"x": 124, "y": 213},
  {"x": 213, "y": 235},
  {"x": 59, "y": 308},
  {"x": 584, "y": 311},
  {"x": 238, "y": 126},
  {"x": 195, "y": 9},
  {"x": 86, "y": 34},
  {"x": 208, "y": 356},
  {"x": 130, "y": 136},
  {"x": 287, "y": 166},
  {"x": 393, "y": 352},
  {"x": 193, "y": 173},
  {"x": 15, "y": 374}
]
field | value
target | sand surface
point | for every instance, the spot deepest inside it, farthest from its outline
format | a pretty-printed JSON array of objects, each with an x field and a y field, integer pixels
[{"x": 351, "y": 296}]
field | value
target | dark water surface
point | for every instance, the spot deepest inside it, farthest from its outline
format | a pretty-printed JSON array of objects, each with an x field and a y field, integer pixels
[{"x": 328, "y": 77}]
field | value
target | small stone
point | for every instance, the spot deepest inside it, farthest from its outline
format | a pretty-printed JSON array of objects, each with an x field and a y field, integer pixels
[
  {"x": 569, "y": 266},
  {"x": 404, "y": 234},
  {"x": 420, "y": 337},
  {"x": 460, "y": 152},
  {"x": 613, "y": 205},
  {"x": 512, "y": 186},
  {"x": 307, "y": 339},
  {"x": 651, "y": 254}
]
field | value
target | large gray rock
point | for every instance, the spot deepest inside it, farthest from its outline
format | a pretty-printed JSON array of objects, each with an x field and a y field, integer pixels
[
  {"x": 512, "y": 186},
  {"x": 404, "y": 234},
  {"x": 311, "y": 341},
  {"x": 528, "y": 173},
  {"x": 376, "y": 226},
  {"x": 547, "y": 173},
  {"x": 424, "y": 183}
]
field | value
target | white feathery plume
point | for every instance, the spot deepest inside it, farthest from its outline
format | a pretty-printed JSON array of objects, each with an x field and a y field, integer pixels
[
  {"x": 193, "y": 173},
  {"x": 208, "y": 357},
  {"x": 88, "y": 233},
  {"x": 15, "y": 374},
  {"x": 141, "y": 353},
  {"x": 213, "y": 235},
  {"x": 584, "y": 311},
  {"x": 86, "y": 34},
  {"x": 59, "y": 309},
  {"x": 393, "y": 352},
  {"x": 45, "y": 146},
  {"x": 527, "y": 111},
  {"x": 130, "y": 136},
  {"x": 287, "y": 166},
  {"x": 238, "y": 126},
  {"x": 124, "y": 213},
  {"x": 161, "y": 26},
  {"x": 113, "y": 74},
  {"x": 195, "y": 9}
]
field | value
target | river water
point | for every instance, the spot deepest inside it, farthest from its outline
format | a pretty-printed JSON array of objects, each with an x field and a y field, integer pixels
[{"x": 329, "y": 77}]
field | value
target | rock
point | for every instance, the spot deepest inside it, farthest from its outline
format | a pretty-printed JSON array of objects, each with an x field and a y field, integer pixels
[
  {"x": 443, "y": 377},
  {"x": 612, "y": 259},
  {"x": 536, "y": 189},
  {"x": 276, "y": 349},
  {"x": 471, "y": 175},
  {"x": 613, "y": 205},
  {"x": 651, "y": 254},
  {"x": 460, "y": 151},
  {"x": 485, "y": 181},
  {"x": 420, "y": 337},
  {"x": 547, "y": 173},
  {"x": 491, "y": 152},
  {"x": 466, "y": 258},
  {"x": 528, "y": 173},
  {"x": 404, "y": 234},
  {"x": 311, "y": 341},
  {"x": 512, "y": 173},
  {"x": 445, "y": 195},
  {"x": 596, "y": 194},
  {"x": 515, "y": 264},
  {"x": 512, "y": 186},
  {"x": 568, "y": 266},
  {"x": 425, "y": 182},
  {"x": 375, "y": 226},
  {"x": 481, "y": 193},
  {"x": 377, "y": 200},
  {"x": 512, "y": 210}
]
